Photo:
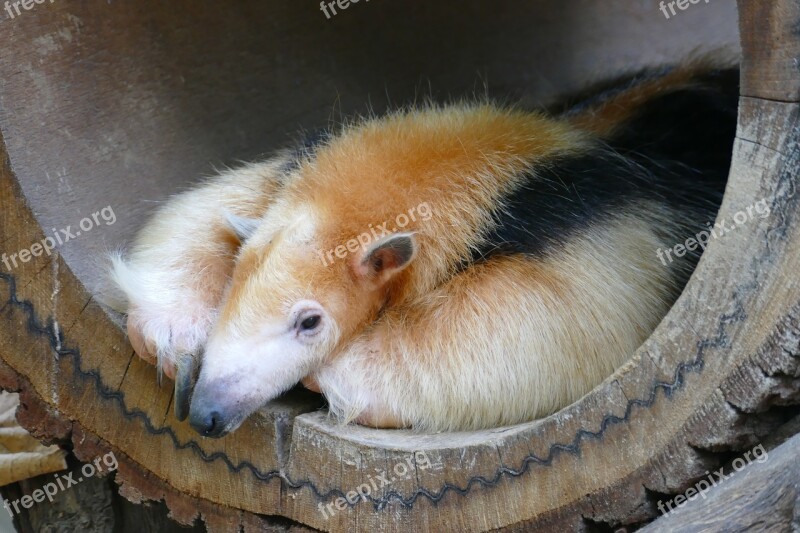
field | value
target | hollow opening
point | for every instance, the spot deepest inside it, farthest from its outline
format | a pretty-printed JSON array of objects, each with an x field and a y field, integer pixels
[{"x": 125, "y": 113}]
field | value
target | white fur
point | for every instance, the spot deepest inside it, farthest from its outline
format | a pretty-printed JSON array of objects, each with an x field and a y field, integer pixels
[
  {"x": 463, "y": 374},
  {"x": 175, "y": 276}
]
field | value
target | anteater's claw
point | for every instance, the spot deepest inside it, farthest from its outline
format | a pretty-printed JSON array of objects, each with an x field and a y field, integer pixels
[{"x": 185, "y": 377}]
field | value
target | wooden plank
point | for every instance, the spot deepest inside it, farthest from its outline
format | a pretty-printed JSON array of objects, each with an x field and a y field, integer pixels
[{"x": 769, "y": 35}]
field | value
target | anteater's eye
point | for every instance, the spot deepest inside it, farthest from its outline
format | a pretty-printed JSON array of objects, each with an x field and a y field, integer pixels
[
  {"x": 310, "y": 323},
  {"x": 308, "y": 320}
]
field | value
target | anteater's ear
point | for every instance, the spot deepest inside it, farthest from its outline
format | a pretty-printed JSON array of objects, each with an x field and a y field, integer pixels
[
  {"x": 242, "y": 227},
  {"x": 387, "y": 257}
]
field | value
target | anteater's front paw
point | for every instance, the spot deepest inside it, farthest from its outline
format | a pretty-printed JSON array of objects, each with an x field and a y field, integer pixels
[{"x": 163, "y": 337}]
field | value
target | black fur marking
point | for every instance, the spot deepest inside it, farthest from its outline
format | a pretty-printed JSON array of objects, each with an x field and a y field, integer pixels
[
  {"x": 694, "y": 127},
  {"x": 675, "y": 151},
  {"x": 559, "y": 199}
]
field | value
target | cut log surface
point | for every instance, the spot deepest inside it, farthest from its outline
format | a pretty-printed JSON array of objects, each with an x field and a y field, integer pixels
[
  {"x": 116, "y": 104},
  {"x": 760, "y": 493}
]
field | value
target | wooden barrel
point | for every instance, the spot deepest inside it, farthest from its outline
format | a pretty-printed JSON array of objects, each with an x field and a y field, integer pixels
[{"x": 115, "y": 105}]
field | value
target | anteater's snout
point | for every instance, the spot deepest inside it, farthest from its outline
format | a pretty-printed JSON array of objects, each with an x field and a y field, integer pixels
[
  {"x": 236, "y": 378},
  {"x": 207, "y": 414},
  {"x": 214, "y": 410},
  {"x": 209, "y": 423}
]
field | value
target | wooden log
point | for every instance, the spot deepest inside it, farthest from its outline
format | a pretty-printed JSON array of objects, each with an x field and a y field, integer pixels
[
  {"x": 762, "y": 495},
  {"x": 117, "y": 104}
]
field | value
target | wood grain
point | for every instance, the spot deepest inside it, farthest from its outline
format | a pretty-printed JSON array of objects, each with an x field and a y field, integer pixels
[{"x": 762, "y": 496}]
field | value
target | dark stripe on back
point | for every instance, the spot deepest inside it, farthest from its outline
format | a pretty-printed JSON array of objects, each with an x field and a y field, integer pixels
[{"x": 676, "y": 150}]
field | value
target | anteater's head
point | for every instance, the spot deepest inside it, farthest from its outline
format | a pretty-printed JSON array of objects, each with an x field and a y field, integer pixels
[{"x": 287, "y": 310}]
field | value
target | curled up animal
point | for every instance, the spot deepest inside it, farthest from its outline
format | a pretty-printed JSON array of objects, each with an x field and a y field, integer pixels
[{"x": 534, "y": 278}]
